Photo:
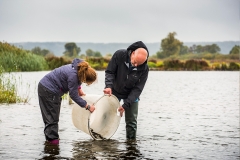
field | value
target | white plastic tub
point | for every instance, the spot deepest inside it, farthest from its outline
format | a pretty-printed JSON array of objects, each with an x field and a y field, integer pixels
[{"x": 103, "y": 122}]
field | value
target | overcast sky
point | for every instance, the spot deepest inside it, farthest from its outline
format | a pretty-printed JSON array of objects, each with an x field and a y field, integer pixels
[{"x": 107, "y": 21}]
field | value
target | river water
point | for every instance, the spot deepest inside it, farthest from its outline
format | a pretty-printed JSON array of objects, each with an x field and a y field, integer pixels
[{"x": 182, "y": 115}]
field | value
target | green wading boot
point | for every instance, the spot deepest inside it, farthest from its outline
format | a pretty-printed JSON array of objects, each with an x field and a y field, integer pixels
[{"x": 131, "y": 121}]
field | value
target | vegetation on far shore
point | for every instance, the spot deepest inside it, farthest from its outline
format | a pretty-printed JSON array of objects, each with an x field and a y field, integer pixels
[
  {"x": 15, "y": 59},
  {"x": 172, "y": 56}
]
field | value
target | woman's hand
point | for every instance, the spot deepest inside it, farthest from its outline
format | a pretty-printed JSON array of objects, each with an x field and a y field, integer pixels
[
  {"x": 81, "y": 93},
  {"x": 90, "y": 108}
]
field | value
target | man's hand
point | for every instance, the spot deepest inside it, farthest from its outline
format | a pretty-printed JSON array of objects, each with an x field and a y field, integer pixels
[
  {"x": 121, "y": 110},
  {"x": 108, "y": 91}
]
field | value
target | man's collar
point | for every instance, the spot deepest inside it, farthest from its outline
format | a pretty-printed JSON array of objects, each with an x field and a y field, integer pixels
[{"x": 130, "y": 66}]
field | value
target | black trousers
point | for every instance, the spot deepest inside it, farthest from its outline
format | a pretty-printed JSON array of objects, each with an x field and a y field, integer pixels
[{"x": 50, "y": 104}]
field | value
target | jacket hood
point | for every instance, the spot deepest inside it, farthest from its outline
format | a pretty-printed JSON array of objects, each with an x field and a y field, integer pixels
[
  {"x": 136, "y": 45},
  {"x": 75, "y": 63}
]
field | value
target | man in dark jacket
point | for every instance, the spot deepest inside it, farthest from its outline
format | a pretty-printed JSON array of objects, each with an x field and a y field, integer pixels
[{"x": 125, "y": 77}]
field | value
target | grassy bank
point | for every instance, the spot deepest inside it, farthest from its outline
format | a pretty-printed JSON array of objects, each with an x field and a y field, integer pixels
[
  {"x": 16, "y": 59},
  {"x": 193, "y": 65},
  {"x": 8, "y": 88},
  {"x": 176, "y": 64}
]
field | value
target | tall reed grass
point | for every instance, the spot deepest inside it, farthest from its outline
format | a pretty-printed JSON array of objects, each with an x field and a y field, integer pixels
[
  {"x": 196, "y": 65},
  {"x": 9, "y": 88},
  {"x": 55, "y": 62},
  {"x": 8, "y": 92},
  {"x": 206, "y": 56},
  {"x": 192, "y": 65},
  {"x": 16, "y": 59},
  {"x": 98, "y": 63}
]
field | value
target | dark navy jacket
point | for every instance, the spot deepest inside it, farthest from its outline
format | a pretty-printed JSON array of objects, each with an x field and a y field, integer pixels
[
  {"x": 126, "y": 83},
  {"x": 64, "y": 79}
]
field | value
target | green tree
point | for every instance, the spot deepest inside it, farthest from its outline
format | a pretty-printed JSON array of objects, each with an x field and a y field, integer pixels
[
  {"x": 160, "y": 55},
  {"x": 199, "y": 49},
  {"x": 97, "y": 54},
  {"x": 170, "y": 45},
  {"x": 89, "y": 53},
  {"x": 40, "y": 52},
  {"x": 183, "y": 49},
  {"x": 235, "y": 50},
  {"x": 36, "y": 50},
  {"x": 72, "y": 50},
  {"x": 194, "y": 48},
  {"x": 214, "y": 48},
  {"x": 45, "y": 52}
]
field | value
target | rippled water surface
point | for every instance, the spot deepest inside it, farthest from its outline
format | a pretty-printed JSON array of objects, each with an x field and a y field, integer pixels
[{"x": 182, "y": 115}]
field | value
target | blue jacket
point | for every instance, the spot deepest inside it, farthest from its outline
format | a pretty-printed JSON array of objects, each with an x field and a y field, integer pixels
[{"x": 64, "y": 79}]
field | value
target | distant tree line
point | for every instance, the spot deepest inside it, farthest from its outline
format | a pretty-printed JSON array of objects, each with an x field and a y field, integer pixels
[
  {"x": 17, "y": 59},
  {"x": 71, "y": 51},
  {"x": 41, "y": 52},
  {"x": 171, "y": 46}
]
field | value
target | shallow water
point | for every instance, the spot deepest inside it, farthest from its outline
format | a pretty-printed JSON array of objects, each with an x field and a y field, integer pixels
[{"x": 182, "y": 115}]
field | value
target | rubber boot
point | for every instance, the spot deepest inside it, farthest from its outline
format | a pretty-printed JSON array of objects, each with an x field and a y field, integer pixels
[{"x": 131, "y": 121}]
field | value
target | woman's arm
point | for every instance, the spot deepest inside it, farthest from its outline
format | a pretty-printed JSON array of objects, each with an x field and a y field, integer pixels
[{"x": 80, "y": 91}]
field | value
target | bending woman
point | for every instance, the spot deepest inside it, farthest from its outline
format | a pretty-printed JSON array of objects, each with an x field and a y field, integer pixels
[{"x": 54, "y": 85}]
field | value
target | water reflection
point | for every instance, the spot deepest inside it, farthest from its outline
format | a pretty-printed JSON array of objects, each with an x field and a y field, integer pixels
[
  {"x": 106, "y": 149},
  {"x": 132, "y": 151},
  {"x": 50, "y": 151}
]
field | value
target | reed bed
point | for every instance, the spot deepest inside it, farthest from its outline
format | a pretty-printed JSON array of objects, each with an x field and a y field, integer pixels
[{"x": 16, "y": 59}]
